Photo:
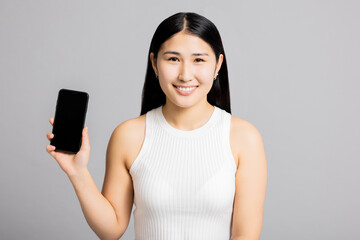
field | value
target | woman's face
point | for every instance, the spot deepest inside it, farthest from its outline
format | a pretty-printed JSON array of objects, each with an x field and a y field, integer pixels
[{"x": 186, "y": 60}]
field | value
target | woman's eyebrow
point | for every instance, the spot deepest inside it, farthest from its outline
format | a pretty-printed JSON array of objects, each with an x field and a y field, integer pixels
[{"x": 177, "y": 53}]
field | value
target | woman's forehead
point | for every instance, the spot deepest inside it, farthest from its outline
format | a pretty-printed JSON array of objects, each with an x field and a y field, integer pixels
[{"x": 186, "y": 43}]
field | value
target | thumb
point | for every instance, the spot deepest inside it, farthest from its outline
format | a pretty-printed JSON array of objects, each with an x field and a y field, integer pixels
[{"x": 85, "y": 144}]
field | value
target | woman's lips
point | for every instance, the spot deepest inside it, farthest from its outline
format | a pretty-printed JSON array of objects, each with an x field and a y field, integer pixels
[
  {"x": 185, "y": 93},
  {"x": 185, "y": 86}
]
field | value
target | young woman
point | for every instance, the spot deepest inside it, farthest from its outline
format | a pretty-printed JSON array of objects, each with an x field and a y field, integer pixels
[{"x": 193, "y": 170}]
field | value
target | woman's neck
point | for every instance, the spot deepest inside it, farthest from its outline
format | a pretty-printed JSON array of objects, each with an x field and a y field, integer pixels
[{"x": 188, "y": 118}]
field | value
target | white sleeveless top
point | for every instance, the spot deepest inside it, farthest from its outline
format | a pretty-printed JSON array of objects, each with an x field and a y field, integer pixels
[{"x": 184, "y": 181}]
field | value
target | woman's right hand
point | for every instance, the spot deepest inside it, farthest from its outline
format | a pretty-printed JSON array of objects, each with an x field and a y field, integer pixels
[{"x": 71, "y": 164}]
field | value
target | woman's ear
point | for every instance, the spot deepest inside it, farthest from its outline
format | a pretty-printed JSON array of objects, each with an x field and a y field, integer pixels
[
  {"x": 218, "y": 64},
  {"x": 153, "y": 63}
]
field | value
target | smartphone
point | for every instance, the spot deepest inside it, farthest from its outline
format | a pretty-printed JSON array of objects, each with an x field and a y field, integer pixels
[{"x": 69, "y": 120}]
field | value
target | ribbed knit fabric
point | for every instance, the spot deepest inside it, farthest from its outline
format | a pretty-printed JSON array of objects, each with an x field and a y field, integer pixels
[{"x": 184, "y": 181}]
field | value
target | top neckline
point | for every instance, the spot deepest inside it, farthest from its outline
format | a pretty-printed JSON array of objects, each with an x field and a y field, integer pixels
[{"x": 163, "y": 122}]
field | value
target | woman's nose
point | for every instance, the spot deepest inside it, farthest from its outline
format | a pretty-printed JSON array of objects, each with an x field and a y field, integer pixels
[{"x": 185, "y": 73}]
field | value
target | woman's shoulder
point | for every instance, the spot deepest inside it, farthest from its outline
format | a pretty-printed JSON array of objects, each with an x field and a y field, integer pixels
[
  {"x": 130, "y": 134},
  {"x": 131, "y": 127},
  {"x": 240, "y": 123},
  {"x": 243, "y": 131}
]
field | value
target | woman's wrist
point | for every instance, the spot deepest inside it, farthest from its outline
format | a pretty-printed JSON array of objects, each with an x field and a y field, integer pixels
[{"x": 79, "y": 177}]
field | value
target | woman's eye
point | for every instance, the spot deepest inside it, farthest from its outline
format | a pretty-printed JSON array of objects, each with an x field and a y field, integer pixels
[
  {"x": 173, "y": 59},
  {"x": 199, "y": 60}
]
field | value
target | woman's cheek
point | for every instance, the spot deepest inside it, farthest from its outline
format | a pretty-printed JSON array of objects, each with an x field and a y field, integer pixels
[
  {"x": 205, "y": 75},
  {"x": 168, "y": 73}
]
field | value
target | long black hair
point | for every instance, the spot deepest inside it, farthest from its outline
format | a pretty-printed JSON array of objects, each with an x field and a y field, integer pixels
[{"x": 192, "y": 23}]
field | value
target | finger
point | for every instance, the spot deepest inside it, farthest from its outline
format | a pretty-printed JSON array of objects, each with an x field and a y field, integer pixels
[
  {"x": 51, "y": 120},
  {"x": 50, "y": 149},
  {"x": 49, "y": 136},
  {"x": 85, "y": 144}
]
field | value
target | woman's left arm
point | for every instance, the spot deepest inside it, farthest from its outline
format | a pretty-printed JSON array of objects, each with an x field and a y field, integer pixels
[{"x": 251, "y": 180}]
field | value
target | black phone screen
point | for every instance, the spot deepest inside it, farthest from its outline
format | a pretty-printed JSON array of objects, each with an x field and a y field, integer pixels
[{"x": 69, "y": 120}]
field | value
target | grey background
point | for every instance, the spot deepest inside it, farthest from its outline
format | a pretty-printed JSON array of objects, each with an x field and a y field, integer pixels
[{"x": 294, "y": 74}]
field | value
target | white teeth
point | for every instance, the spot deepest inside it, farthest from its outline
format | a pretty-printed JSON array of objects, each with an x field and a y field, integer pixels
[{"x": 186, "y": 89}]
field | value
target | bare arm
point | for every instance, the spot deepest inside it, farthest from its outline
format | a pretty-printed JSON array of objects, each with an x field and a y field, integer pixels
[
  {"x": 251, "y": 179},
  {"x": 102, "y": 214},
  {"x": 118, "y": 185},
  {"x": 98, "y": 212}
]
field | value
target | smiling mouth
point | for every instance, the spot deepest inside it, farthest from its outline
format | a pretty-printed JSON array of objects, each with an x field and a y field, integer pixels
[
  {"x": 194, "y": 86},
  {"x": 185, "y": 91}
]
